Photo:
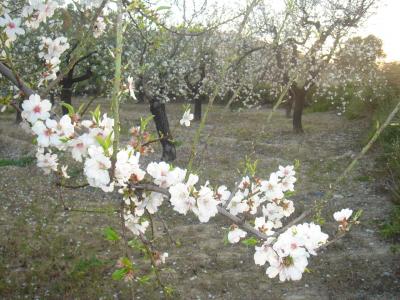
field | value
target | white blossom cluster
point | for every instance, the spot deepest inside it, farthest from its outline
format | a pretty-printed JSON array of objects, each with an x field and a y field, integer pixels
[
  {"x": 50, "y": 51},
  {"x": 89, "y": 141}
]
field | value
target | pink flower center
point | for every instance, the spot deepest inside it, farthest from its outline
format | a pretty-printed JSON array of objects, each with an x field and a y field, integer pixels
[
  {"x": 48, "y": 132},
  {"x": 293, "y": 246},
  {"x": 37, "y": 109},
  {"x": 79, "y": 145},
  {"x": 11, "y": 25}
]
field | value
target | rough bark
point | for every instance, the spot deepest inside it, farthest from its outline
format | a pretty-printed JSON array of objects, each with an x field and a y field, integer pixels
[
  {"x": 197, "y": 108},
  {"x": 162, "y": 125},
  {"x": 299, "y": 101},
  {"x": 67, "y": 83},
  {"x": 289, "y": 104}
]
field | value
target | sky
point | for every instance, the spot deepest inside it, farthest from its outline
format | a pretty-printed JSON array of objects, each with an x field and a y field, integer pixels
[{"x": 385, "y": 24}]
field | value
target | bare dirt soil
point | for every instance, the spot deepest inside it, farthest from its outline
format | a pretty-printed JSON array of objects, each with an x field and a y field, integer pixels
[{"x": 48, "y": 253}]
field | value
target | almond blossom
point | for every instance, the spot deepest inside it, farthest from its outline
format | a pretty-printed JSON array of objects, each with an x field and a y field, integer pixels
[
  {"x": 12, "y": 27},
  {"x": 206, "y": 204},
  {"x": 342, "y": 217},
  {"x": 99, "y": 27},
  {"x": 46, "y": 161},
  {"x": 235, "y": 234},
  {"x": 79, "y": 146},
  {"x": 97, "y": 168},
  {"x": 134, "y": 224},
  {"x": 35, "y": 109},
  {"x": 38, "y": 12},
  {"x": 186, "y": 118},
  {"x": 127, "y": 165}
]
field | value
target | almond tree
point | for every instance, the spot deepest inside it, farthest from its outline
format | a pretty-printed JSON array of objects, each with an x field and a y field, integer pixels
[{"x": 304, "y": 37}]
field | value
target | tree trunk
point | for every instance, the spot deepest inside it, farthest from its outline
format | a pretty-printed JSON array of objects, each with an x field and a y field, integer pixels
[
  {"x": 161, "y": 120},
  {"x": 299, "y": 101},
  {"x": 289, "y": 104},
  {"x": 197, "y": 108},
  {"x": 66, "y": 95},
  {"x": 18, "y": 117}
]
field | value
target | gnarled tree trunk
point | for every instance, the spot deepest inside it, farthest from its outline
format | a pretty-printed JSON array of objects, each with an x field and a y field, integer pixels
[
  {"x": 161, "y": 120},
  {"x": 197, "y": 108},
  {"x": 299, "y": 101},
  {"x": 289, "y": 104}
]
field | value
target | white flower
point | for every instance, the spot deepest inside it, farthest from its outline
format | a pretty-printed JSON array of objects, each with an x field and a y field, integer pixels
[
  {"x": 64, "y": 172},
  {"x": 287, "y": 183},
  {"x": 287, "y": 207},
  {"x": 287, "y": 171},
  {"x": 12, "y": 27},
  {"x": 186, "y": 118},
  {"x": 131, "y": 87},
  {"x": 235, "y": 234},
  {"x": 263, "y": 253},
  {"x": 80, "y": 145},
  {"x": 206, "y": 204},
  {"x": 272, "y": 187},
  {"x": 163, "y": 175},
  {"x": 152, "y": 202},
  {"x": 35, "y": 109},
  {"x": 343, "y": 215},
  {"x": 134, "y": 225},
  {"x": 38, "y": 12},
  {"x": 273, "y": 212},
  {"x": 181, "y": 199},
  {"x": 159, "y": 258},
  {"x": 311, "y": 236},
  {"x": 127, "y": 165},
  {"x": 237, "y": 204},
  {"x": 47, "y": 162},
  {"x": 51, "y": 49},
  {"x": 264, "y": 227},
  {"x": 290, "y": 267},
  {"x": 97, "y": 168},
  {"x": 223, "y": 194},
  {"x": 99, "y": 27},
  {"x": 43, "y": 133}
]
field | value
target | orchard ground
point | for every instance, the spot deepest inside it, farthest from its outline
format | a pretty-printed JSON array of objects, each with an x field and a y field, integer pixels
[{"x": 48, "y": 253}]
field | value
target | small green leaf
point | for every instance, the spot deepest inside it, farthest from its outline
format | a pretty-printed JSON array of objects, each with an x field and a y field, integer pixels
[
  {"x": 176, "y": 143},
  {"x": 69, "y": 107},
  {"x": 250, "y": 242},
  {"x": 358, "y": 215},
  {"x": 110, "y": 234},
  {"x": 144, "y": 279},
  {"x": 119, "y": 274},
  {"x": 145, "y": 122},
  {"x": 64, "y": 139},
  {"x": 162, "y": 8}
]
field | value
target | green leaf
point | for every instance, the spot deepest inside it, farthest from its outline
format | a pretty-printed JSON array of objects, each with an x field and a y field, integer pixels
[
  {"x": 169, "y": 291},
  {"x": 119, "y": 274},
  {"x": 96, "y": 114},
  {"x": 176, "y": 143},
  {"x": 250, "y": 242},
  {"x": 127, "y": 263},
  {"x": 69, "y": 107},
  {"x": 358, "y": 215},
  {"x": 110, "y": 234},
  {"x": 64, "y": 139},
  {"x": 144, "y": 279},
  {"x": 145, "y": 122},
  {"x": 80, "y": 108},
  {"x": 162, "y": 8}
]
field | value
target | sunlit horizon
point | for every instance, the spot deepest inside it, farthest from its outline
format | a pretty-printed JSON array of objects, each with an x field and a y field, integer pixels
[{"x": 385, "y": 25}]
